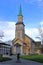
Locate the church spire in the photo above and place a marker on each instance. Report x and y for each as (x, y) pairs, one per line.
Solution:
(20, 11)
(20, 16)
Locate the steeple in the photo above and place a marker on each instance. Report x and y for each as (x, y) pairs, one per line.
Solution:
(20, 26)
(20, 17)
(20, 11)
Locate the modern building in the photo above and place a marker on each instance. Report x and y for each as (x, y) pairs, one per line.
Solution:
(5, 49)
(22, 43)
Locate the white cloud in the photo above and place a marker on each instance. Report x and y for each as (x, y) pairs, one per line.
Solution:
(41, 28)
(9, 30)
(33, 33)
(41, 23)
(11, 24)
(33, 0)
(39, 2)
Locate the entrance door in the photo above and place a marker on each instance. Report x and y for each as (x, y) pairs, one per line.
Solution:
(17, 48)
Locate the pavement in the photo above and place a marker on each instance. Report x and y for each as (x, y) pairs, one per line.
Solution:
(22, 62)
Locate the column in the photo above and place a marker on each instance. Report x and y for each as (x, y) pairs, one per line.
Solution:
(22, 50)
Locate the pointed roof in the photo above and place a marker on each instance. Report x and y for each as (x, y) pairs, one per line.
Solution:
(20, 11)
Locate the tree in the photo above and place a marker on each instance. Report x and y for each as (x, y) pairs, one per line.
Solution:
(41, 34)
(40, 37)
(1, 34)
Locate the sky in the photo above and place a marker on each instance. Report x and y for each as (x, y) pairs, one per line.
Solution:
(32, 11)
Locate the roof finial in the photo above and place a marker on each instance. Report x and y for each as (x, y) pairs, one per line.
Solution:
(20, 11)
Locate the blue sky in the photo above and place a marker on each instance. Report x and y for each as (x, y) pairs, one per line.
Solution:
(32, 11)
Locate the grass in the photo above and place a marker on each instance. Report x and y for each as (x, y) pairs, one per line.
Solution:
(2, 59)
(37, 58)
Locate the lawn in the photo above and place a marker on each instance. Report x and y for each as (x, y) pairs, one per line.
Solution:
(4, 59)
(37, 58)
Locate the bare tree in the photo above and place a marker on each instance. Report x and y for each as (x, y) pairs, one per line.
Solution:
(41, 34)
(1, 34)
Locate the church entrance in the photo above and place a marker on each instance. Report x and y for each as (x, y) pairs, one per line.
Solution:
(17, 48)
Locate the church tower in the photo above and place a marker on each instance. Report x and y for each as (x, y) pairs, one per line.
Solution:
(19, 32)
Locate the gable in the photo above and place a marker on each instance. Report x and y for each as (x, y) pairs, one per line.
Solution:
(17, 41)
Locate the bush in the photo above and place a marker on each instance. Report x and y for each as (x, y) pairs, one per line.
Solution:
(4, 59)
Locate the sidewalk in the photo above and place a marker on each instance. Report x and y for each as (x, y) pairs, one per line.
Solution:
(23, 62)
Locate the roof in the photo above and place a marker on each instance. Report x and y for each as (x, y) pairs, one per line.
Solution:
(2, 43)
(30, 38)
(17, 44)
(20, 23)
(20, 11)
(14, 40)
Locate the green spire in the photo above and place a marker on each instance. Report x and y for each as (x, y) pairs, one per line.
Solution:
(20, 11)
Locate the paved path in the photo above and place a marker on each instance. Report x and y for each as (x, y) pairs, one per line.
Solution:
(23, 62)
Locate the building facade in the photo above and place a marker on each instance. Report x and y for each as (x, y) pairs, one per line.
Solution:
(5, 49)
(22, 43)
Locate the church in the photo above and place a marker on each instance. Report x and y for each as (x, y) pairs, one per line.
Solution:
(22, 43)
